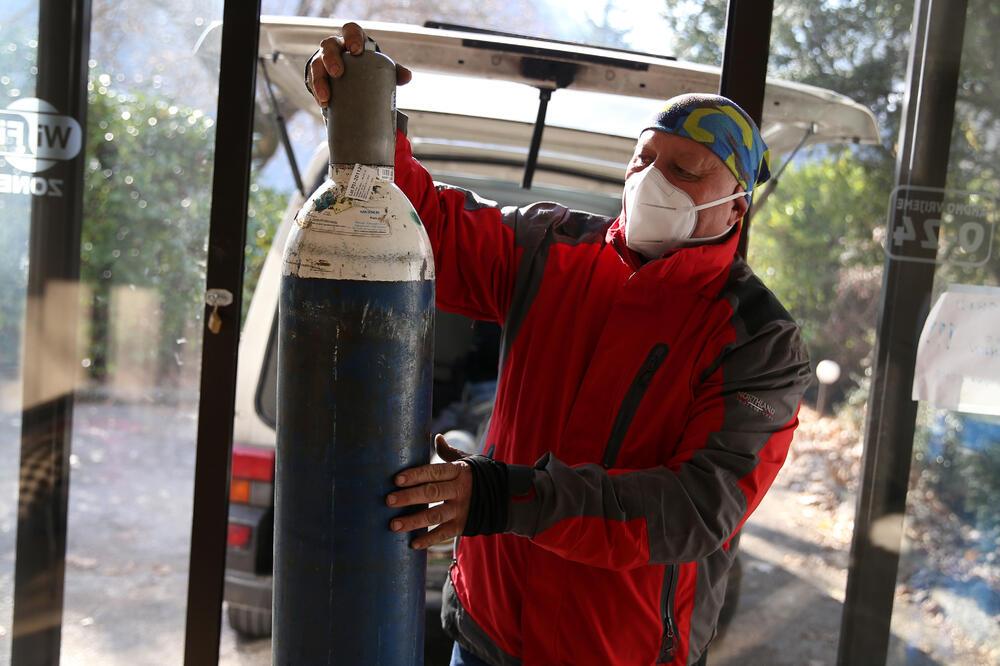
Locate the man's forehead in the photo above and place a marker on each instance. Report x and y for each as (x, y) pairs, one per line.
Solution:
(681, 146)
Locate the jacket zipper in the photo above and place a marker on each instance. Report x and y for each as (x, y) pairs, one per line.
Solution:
(668, 642)
(631, 401)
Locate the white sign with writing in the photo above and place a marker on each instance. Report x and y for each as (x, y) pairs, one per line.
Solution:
(942, 226)
(34, 136)
(958, 356)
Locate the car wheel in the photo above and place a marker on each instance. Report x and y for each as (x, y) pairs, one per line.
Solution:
(249, 622)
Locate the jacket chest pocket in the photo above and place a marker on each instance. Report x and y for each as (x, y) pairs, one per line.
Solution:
(630, 403)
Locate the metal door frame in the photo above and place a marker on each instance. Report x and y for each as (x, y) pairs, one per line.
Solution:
(744, 69)
(217, 399)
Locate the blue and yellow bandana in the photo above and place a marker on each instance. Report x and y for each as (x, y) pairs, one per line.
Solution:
(721, 125)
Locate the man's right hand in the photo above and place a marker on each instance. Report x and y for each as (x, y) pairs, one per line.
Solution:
(329, 62)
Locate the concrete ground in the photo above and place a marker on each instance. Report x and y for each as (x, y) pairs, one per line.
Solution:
(129, 528)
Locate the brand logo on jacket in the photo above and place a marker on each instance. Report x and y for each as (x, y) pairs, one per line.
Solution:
(35, 137)
(755, 404)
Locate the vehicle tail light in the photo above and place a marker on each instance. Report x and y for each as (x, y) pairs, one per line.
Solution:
(253, 464)
(238, 536)
(253, 476)
(239, 491)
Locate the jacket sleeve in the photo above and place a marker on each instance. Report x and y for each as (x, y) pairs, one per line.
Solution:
(475, 252)
(735, 441)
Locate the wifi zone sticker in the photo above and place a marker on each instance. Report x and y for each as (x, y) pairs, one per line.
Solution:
(34, 136)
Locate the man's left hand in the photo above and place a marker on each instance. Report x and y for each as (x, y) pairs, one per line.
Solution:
(449, 483)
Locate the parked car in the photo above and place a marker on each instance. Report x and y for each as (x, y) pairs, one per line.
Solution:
(472, 108)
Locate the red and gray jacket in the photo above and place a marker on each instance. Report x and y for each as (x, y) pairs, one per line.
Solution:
(643, 408)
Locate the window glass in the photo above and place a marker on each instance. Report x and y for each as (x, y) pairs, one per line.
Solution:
(949, 573)
(815, 240)
(147, 198)
(18, 57)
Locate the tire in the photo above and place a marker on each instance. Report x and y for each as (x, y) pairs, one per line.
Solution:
(249, 622)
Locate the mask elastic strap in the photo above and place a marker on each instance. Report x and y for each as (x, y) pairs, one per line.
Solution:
(695, 242)
(722, 200)
(702, 206)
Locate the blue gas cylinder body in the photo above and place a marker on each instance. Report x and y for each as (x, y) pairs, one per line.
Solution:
(356, 319)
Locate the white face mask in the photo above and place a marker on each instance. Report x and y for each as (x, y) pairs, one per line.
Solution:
(659, 216)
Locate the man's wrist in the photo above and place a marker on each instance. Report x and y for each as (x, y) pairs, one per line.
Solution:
(488, 504)
(497, 489)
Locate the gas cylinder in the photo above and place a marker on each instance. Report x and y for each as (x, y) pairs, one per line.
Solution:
(356, 318)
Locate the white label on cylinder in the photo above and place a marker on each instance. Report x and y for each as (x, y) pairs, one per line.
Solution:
(362, 182)
(351, 220)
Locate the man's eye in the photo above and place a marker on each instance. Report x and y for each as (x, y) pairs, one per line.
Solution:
(682, 172)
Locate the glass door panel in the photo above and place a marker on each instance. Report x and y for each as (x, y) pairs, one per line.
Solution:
(133, 363)
(18, 73)
(147, 198)
(815, 240)
(947, 603)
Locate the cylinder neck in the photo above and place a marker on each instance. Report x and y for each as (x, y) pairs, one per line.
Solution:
(361, 118)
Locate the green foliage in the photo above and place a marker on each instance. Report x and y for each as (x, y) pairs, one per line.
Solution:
(147, 204)
(982, 479)
(855, 47)
(699, 29)
(147, 201)
(264, 216)
(814, 246)
(975, 139)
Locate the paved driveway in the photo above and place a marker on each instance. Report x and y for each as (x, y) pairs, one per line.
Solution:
(129, 522)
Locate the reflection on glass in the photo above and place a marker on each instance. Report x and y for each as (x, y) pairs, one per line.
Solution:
(18, 35)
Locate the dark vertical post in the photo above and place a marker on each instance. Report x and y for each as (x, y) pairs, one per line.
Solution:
(227, 237)
(279, 120)
(50, 353)
(925, 140)
(544, 95)
(744, 66)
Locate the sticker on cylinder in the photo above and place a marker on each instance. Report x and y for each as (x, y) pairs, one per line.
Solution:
(346, 217)
(362, 182)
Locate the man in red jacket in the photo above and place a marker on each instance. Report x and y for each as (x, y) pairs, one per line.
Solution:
(647, 396)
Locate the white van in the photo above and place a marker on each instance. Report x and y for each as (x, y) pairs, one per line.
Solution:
(472, 107)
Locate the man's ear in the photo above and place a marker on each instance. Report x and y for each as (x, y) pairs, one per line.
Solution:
(739, 209)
